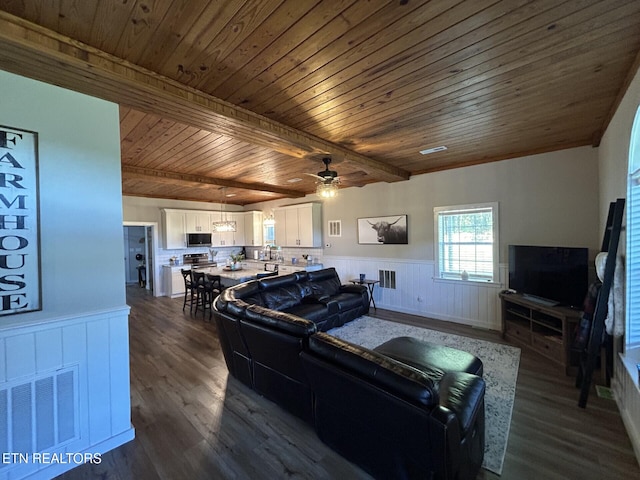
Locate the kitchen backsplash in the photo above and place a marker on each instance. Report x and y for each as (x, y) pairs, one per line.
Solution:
(291, 252)
(224, 252)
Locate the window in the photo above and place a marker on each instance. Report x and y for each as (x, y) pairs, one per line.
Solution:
(633, 238)
(466, 239)
(269, 234)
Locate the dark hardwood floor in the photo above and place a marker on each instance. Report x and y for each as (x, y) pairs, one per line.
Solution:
(193, 421)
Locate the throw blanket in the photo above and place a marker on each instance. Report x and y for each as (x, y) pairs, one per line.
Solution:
(615, 316)
(614, 322)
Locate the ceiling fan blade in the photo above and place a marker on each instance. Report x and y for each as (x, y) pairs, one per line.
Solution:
(317, 177)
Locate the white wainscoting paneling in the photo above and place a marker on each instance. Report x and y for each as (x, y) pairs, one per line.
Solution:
(417, 292)
(626, 389)
(96, 347)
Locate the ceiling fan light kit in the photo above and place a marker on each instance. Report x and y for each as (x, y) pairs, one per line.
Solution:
(325, 190)
(327, 181)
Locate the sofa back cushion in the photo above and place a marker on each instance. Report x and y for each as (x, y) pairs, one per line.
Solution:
(249, 292)
(236, 299)
(385, 372)
(324, 283)
(282, 292)
(281, 321)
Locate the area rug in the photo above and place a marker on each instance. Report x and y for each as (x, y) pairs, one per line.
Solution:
(500, 373)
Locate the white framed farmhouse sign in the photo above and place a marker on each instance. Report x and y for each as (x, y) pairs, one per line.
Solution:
(20, 289)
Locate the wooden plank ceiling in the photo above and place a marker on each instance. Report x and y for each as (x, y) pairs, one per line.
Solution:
(243, 98)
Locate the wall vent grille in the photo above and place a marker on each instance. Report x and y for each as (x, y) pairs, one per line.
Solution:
(387, 278)
(335, 228)
(40, 414)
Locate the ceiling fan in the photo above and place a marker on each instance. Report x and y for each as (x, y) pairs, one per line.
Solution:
(327, 181)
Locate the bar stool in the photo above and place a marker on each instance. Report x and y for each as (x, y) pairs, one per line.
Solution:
(216, 283)
(189, 289)
(207, 287)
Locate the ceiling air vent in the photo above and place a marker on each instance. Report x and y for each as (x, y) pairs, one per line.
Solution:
(433, 150)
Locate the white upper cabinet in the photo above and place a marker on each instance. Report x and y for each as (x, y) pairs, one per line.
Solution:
(198, 222)
(299, 225)
(253, 225)
(174, 231)
(229, 239)
(177, 223)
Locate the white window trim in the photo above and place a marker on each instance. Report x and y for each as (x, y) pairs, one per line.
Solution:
(632, 345)
(496, 241)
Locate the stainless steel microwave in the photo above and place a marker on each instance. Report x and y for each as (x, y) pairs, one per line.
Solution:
(198, 239)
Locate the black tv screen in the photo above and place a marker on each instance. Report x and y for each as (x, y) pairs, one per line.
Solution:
(559, 274)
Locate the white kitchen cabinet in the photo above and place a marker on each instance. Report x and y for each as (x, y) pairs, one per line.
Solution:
(253, 225)
(229, 239)
(239, 235)
(279, 214)
(177, 223)
(173, 280)
(198, 222)
(310, 225)
(299, 225)
(174, 231)
(291, 236)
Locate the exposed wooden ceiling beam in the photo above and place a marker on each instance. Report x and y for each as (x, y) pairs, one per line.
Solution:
(158, 176)
(36, 52)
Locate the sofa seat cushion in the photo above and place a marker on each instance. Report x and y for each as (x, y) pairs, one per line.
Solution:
(316, 312)
(429, 357)
(347, 301)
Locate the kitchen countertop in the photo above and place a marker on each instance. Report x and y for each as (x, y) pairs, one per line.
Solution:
(234, 276)
(249, 271)
(302, 264)
(190, 265)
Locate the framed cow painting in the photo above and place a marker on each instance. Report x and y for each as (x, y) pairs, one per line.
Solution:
(389, 230)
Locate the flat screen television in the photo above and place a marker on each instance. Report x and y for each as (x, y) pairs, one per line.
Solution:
(559, 275)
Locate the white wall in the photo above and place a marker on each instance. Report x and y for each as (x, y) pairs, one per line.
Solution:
(613, 160)
(83, 325)
(546, 199)
(537, 197)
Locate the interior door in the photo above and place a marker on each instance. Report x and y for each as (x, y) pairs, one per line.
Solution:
(150, 259)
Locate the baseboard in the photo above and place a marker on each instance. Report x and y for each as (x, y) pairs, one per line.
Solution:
(55, 469)
(437, 316)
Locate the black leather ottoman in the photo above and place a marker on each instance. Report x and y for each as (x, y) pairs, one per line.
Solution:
(428, 357)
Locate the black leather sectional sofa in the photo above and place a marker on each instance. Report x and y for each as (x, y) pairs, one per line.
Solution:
(403, 410)
(264, 325)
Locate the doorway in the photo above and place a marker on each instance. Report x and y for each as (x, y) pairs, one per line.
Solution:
(135, 254)
(140, 244)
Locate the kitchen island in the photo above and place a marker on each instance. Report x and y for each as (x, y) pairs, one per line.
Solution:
(174, 284)
(232, 277)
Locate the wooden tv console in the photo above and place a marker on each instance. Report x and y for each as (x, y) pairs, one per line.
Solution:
(547, 330)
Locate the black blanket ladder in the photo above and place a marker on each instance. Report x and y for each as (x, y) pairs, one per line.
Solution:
(590, 354)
